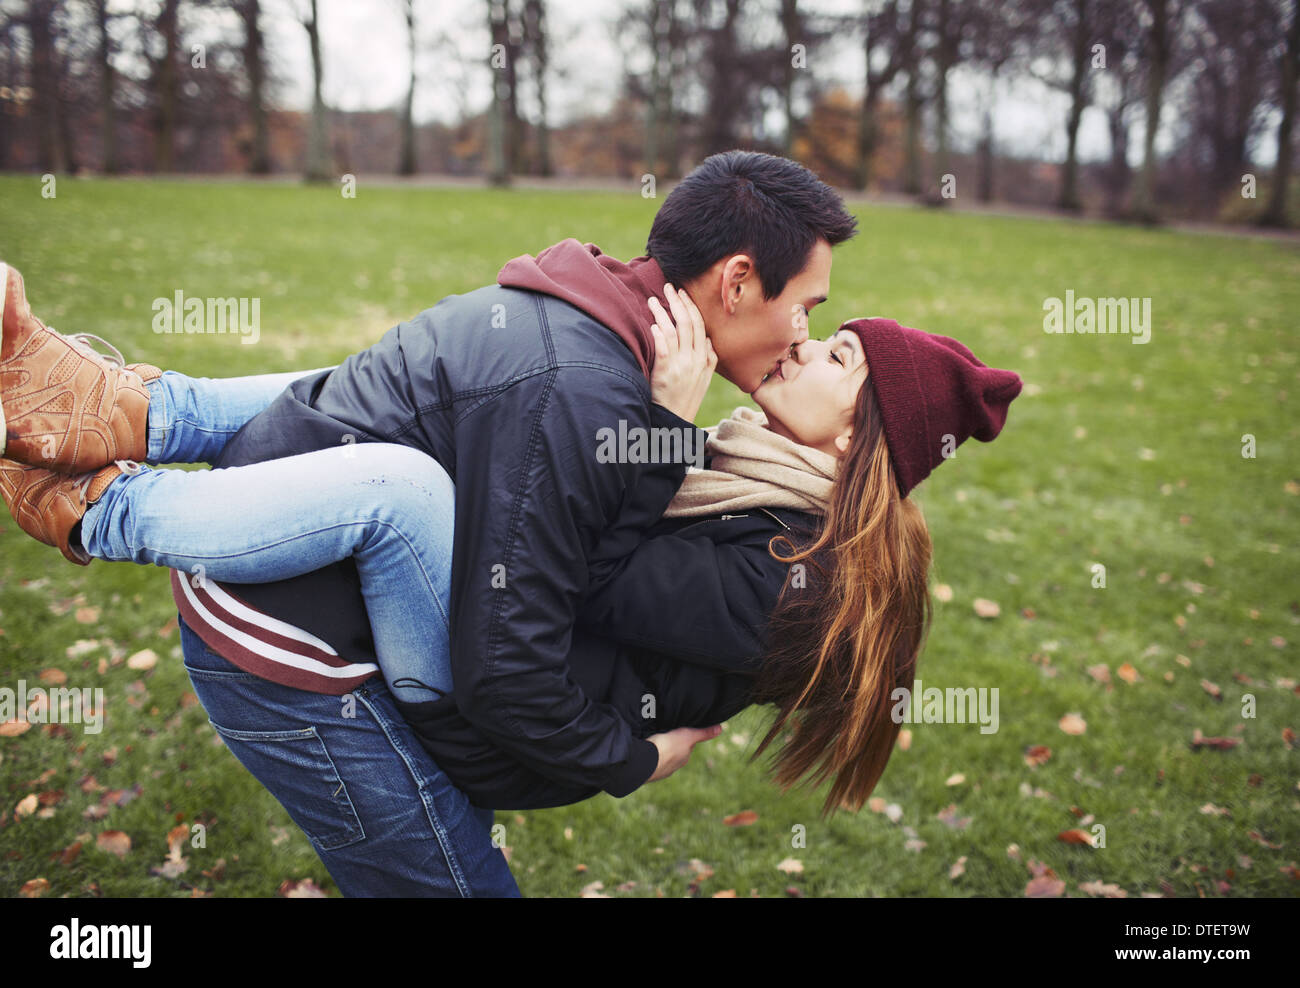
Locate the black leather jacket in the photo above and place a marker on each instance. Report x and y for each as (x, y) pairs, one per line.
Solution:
(508, 390)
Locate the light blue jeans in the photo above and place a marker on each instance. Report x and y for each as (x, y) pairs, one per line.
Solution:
(390, 507)
(384, 818)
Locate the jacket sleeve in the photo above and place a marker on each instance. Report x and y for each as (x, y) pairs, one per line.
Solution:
(533, 498)
(691, 598)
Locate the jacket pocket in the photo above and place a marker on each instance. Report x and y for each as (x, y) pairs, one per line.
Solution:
(297, 769)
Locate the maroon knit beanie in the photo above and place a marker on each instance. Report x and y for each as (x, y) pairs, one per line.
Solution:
(930, 387)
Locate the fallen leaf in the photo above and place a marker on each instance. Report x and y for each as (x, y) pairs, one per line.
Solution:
(949, 816)
(146, 658)
(26, 806)
(86, 615)
(1072, 724)
(1128, 673)
(958, 868)
(114, 842)
(1212, 689)
(742, 819)
(1046, 886)
(303, 889)
(1037, 754)
(942, 593)
(1104, 889)
(13, 728)
(1100, 672)
(593, 891)
(986, 608)
(725, 894)
(34, 889)
(791, 866)
(70, 853)
(1075, 837)
(56, 676)
(1219, 744)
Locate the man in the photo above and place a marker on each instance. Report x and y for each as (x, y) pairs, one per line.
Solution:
(508, 388)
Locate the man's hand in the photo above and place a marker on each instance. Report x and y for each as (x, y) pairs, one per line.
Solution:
(684, 357)
(675, 747)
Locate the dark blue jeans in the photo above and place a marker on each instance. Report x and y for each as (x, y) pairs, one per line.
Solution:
(385, 820)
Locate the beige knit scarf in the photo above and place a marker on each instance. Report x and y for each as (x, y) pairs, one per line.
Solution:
(753, 467)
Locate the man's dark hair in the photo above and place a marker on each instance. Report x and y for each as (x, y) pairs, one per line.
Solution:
(770, 208)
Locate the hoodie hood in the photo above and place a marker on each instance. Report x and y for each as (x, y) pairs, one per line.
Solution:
(610, 291)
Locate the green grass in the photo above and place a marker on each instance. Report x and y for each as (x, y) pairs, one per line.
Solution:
(1121, 454)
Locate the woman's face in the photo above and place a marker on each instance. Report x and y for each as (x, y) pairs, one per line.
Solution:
(811, 395)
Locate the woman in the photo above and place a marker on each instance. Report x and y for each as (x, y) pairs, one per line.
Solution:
(848, 432)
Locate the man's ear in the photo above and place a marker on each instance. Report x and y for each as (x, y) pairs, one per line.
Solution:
(736, 274)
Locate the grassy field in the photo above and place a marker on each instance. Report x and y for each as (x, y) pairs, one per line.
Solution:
(1124, 455)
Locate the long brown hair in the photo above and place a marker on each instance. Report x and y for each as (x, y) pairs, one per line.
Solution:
(838, 645)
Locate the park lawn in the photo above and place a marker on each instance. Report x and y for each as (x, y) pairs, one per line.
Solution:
(1125, 455)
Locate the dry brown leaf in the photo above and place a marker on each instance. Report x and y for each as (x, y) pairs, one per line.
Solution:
(1105, 889)
(1212, 689)
(1100, 672)
(144, 659)
(742, 819)
(1075, 837)
(1037, 754)
(1046, 886)
(791, 866)
(54, 676)
(958, 868)
(1128, 673)
(26, 806)
(13, 728)
(1219, 744)
(114, 842)
(1072, 723)
(942, 592)
(34, 889)
(986, 608)
(86, 615)
(725, 894)
(303, 889)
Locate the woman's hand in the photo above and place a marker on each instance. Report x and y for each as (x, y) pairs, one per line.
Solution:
(684, 357)
(675, 747)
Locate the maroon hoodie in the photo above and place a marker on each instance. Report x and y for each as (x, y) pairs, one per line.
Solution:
(611, 292)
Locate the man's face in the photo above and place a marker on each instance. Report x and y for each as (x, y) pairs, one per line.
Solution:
(751, 334)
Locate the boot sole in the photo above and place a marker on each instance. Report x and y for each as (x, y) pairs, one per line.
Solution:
(4, 294)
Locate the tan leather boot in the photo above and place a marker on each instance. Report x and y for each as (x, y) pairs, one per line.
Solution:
(49, 505)
(63, 406)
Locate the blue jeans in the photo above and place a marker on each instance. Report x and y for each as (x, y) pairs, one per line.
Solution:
(389, 507)
(393, 824)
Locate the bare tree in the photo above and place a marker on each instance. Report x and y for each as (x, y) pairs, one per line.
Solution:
(880, 34)
(1275, 214)
(250, 12)
(406, 160)
(913, 59)
(1163, 18)
(537, 46)
(499, 154)
(318, 153)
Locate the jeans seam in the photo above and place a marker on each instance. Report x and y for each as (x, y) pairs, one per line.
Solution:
(454, 867)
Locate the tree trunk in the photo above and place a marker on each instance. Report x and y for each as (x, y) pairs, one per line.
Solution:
(107, 85)
(1144, 208)
(793, 27)
(1276, 212)
(986, 155)
(166, 88)
(49, 143)
(914, 103)
(1068, 198)
(259, 162)
(535, 33)
(498, 153)
(406, 160)
(318, 152)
